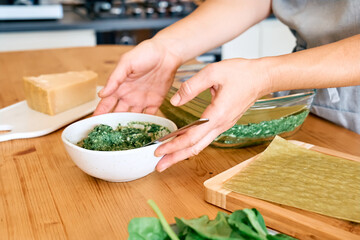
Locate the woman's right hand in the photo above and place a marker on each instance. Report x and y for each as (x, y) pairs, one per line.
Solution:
(141, 79)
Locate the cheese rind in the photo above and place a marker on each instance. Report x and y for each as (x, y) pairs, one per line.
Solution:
(55, 93)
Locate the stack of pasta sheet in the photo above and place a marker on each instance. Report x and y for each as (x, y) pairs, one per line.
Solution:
(294, 176)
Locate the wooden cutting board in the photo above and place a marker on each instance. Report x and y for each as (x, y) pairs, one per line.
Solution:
(295, 222)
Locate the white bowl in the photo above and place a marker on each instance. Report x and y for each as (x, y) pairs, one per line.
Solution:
(113, 166)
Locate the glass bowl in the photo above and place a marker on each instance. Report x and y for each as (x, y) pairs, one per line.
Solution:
(268, 117)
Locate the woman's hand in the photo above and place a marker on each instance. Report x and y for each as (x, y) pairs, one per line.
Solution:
(235, 85)
(141, 79)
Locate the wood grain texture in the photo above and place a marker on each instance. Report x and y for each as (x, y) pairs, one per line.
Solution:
(293, 221)
(45, 196)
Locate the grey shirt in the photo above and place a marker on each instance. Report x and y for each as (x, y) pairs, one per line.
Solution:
(318, 22)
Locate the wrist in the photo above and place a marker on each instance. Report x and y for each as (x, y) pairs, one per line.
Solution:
(173, 46)
(268, 71)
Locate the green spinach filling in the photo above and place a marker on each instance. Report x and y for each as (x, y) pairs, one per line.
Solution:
(131, 136)
(263, 129)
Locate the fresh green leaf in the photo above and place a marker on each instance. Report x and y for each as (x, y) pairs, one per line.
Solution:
(193, 236)
(280, 237)
(163, 221)
(260, 219)
(183, 229)
(146, 228)
(246, 224)
(254, 222)
(240, 222)
(186, 231)
(247, 232)
(208, 229)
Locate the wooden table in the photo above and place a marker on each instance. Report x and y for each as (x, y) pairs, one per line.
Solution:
(45, 196)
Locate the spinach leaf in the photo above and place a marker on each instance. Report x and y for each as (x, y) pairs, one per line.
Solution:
(163, 221)
(146, 228)
(259, 226)
(218, 228)
(246, 224)
(240, 220)
(193, 236)
(280, 237)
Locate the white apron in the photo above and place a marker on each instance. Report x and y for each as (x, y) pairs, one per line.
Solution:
(318, 22)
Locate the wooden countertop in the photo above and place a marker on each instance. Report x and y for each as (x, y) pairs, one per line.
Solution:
(44, 195)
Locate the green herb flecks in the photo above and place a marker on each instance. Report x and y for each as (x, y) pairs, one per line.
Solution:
(134, 135)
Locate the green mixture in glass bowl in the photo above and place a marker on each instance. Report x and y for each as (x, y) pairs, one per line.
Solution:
(264, 120)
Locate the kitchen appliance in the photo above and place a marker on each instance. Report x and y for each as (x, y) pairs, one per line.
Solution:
(152, 13)
(103, 9)
(12, 10)
(149, 12)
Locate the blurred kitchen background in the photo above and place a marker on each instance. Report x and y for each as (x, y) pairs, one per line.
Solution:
(43, 24)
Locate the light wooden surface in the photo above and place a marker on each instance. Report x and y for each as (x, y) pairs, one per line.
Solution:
(45, 196)
(295, 222)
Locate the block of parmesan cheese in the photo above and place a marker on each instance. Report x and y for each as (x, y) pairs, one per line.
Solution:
(55, 93)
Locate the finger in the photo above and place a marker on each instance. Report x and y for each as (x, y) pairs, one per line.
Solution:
(218, 117)
(223, 113)
(151, 110)
(188, 139)
(192, 87)
(171, 159)
(116, 78)
(122, 106)
(105, 105)
(136, 109)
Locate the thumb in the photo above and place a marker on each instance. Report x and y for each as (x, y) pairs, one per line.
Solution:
(190, 89)
(116, 78)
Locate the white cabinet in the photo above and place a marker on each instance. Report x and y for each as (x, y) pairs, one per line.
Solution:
(19, 41)
(268, 38)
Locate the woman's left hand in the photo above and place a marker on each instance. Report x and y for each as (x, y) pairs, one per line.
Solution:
(235, 85)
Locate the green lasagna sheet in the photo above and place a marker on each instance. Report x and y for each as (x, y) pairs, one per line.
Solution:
(294, 176)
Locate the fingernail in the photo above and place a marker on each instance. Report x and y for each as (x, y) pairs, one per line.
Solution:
(158, 153)
(101, 92)
(175, 99)
(163, 167)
